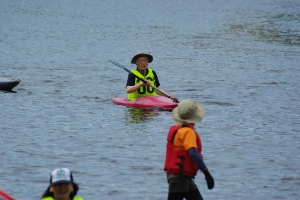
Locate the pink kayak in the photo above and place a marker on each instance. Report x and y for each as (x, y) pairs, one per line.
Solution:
(147, 102)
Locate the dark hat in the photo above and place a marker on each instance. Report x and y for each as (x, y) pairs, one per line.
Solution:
(61, 175)
(141, 54)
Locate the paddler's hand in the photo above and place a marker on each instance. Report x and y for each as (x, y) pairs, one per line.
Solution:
(147, 84)
(173, 98)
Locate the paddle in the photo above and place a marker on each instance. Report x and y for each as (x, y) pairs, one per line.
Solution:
(5, 196)
(143, 80)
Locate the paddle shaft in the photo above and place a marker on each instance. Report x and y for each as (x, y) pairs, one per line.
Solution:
(143, 80)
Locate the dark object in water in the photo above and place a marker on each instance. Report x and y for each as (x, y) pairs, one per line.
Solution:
(8, 85)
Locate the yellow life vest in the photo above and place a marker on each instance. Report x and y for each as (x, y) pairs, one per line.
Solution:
(143, 91)
(51, 198)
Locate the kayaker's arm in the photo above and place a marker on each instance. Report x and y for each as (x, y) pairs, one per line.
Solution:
(130, 89)
(171, 96)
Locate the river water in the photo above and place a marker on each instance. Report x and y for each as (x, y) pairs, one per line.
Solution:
(239, 58)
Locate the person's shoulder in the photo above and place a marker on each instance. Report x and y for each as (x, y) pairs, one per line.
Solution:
(154, 72)
(48, 198)
(77, 198)
(131, 75)
(51, 198)
(186, 130)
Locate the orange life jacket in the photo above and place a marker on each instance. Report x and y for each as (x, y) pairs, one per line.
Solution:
(179, 161)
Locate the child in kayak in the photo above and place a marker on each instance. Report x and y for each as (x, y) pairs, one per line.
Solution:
(135, 87)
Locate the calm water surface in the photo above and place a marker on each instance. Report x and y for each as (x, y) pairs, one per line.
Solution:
(239, 58)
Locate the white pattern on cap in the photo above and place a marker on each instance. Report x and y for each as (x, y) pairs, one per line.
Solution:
(61, 175)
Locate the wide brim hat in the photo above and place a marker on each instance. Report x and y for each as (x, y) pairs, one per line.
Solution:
(188, 111)
(141, 54)
(61, 175)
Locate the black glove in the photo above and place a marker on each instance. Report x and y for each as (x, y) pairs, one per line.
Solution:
(209, 180)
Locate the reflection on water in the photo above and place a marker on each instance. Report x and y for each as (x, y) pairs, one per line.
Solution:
(280, 28)
(11, 91)
(138, 115)
(217, 103)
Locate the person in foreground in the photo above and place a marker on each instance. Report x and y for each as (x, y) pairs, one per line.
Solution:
(183, 154)
(135, 87)
(62, 186)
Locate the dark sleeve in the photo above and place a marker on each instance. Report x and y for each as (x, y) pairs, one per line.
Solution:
(130, 80)
(157, 84)
(197, 159)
